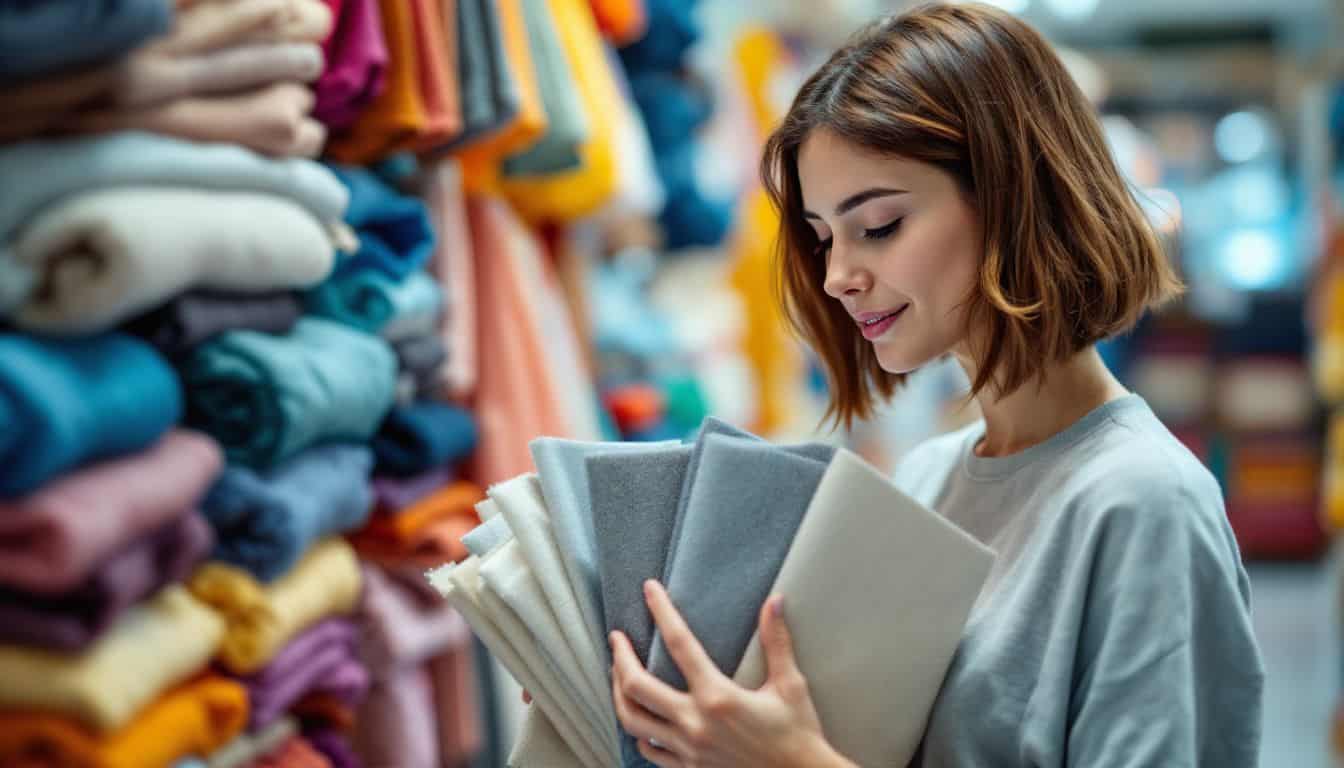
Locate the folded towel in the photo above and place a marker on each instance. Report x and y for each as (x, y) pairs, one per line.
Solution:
(264, 522)
(334, 748)
(42, 38)
(271, 119)
(391, 494)
(417, 438)
(268, 397)
(765, 491)
(210, 26)
(567, 125)
(153, 77)
(406, 528)
(453, 266)
(371, 301)
(248, 747)
(395, 236)
(37, 173)
(508, 586)
(422, 356)
(520, 502)
(857, 525)
(104, 256)
(321, 658)
(396, 724)
(194, 318)
(55, 539)
(73, 620)
(260, 620)
(296, 752)
(356, 58)
(461, 587)
(400, 630)
(65, 403)
(195, 718)
(157, 645)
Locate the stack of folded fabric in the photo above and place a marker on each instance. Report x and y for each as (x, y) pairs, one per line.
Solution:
(562, 556)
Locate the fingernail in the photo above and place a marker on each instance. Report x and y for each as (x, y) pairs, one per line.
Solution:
(778, 608)
(649, 586)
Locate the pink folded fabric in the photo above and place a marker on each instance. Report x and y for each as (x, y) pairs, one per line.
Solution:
(153, 77)
(461, 735)
(356, 63)
(54, 538)
(401, 630)
(212, 25)
(396, 725)
(451, 264)
(272, 120)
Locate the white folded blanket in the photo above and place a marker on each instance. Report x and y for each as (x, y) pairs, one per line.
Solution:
(104, 256)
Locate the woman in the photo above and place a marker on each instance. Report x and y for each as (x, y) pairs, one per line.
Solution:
(946, 190)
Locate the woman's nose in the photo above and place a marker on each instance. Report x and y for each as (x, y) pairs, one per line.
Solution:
(843, 277)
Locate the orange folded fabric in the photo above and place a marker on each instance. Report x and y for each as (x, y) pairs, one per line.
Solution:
(437, 69)
(398, 116)
(621, 21)
(481, 158)
(438, 543)
(294, 753)
(405, 527)
(195, 718)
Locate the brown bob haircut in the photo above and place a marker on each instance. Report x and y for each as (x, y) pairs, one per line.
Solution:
(1069, 257)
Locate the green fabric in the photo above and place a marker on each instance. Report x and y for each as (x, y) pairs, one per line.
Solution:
(265, 398)
(566, 123)
(371, 301)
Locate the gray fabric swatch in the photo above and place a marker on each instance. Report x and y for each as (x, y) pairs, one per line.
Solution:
(744, 508)
(488, 536)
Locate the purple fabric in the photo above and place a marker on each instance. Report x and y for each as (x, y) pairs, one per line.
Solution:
(335, 746)
(391, 494)
(322, 658)
(356, 65)
(72, 621)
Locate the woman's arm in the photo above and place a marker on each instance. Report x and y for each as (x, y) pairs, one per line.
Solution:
(717, 722)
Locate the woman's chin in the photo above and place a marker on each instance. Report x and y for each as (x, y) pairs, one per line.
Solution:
(897, 360)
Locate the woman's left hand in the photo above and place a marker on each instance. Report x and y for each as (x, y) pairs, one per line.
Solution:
(717, 722)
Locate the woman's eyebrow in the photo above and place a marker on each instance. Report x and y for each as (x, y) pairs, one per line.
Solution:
(859, 198)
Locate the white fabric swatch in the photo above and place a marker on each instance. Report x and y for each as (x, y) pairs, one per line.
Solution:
(540, 745)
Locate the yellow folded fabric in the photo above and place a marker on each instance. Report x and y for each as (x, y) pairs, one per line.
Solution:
(581, 192)
(259, 619)
(155, 646)
(196, 718)
(481, 159)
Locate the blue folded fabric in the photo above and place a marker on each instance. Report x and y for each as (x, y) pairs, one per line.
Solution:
(264, 522)
(395, 234)
(672, 106)
(417, 438)
(64, 403)
(689, 218)
(265, 398)
(371, 301)
(672, 30)
(746, 502)
(39, 38)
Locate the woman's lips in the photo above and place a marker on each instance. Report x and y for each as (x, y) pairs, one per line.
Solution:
(873, 330)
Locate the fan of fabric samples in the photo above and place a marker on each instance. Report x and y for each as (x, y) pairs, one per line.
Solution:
(560, 560)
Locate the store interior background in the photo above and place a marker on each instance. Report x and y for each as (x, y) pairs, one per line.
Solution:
(1228, 115)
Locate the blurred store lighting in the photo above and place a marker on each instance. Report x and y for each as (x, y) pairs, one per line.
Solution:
(1072, 10)
(1011, 6)
(1163, 208)
(1242, 136)
(1252, 259)
(1256, 194)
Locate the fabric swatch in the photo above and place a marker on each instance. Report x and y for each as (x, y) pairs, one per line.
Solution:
(157, 645)
(108, 255)
(415, 439)
(248, 747)
(265, 398)
(194, 318)
(260, 620)
(65, 403)
(920, 576)
(540, 745)
(42, 38)
(264, 522)
(357, 60)
(395, 235)
(320, 658)
(745, 505)
(195, 718)
(72, 621)
(489, 535)
(54, 540)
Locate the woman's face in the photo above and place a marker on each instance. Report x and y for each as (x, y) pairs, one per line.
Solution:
(902, 247)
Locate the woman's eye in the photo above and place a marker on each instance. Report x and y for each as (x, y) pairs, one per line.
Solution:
(882, 231)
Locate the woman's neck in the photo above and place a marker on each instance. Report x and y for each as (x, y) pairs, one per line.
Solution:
(1039, 410)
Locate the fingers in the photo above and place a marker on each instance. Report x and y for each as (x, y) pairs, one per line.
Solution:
(640, 723)
(777, 642)
(527, 696)
(638, 684)
(685, 649)
(659, 757)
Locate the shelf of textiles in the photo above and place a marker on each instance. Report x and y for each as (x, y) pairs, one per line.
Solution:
(1240, 398)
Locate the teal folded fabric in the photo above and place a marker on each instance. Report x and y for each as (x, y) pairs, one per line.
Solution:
(265, 521)
(417, 438)
(745, 505)
(265, 398)
(64, 403)
(39, 38)
(373, 302)
(566, 122)
(34, 174)
(395, 234)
